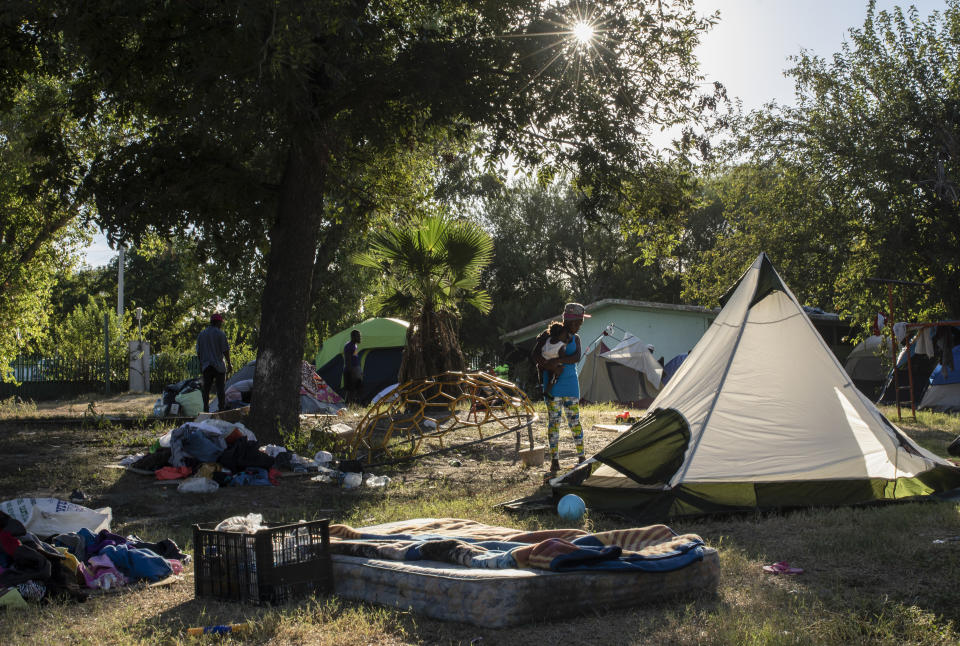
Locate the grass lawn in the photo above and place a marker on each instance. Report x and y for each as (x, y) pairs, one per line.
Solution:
(873, 575)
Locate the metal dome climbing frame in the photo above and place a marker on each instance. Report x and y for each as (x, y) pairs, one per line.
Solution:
(408, 422)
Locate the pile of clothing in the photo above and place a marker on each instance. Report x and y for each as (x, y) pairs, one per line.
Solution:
(224, 453)
(72, 564)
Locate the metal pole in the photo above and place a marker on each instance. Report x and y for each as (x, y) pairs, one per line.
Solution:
(893, 350)
(120, 285)
(106, 352)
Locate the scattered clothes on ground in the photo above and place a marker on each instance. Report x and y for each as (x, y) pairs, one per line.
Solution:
(273, 450)
(130, 459)
(256, 477)
(153, 461)
(219, 453)
(243, 453)
(138, 563)
(70, 565)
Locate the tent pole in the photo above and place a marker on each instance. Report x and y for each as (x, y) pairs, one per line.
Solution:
(893, 351)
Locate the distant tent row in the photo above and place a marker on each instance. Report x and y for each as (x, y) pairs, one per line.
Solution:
(934, 388)
(381, 351)
(760, 415)
(864, 364)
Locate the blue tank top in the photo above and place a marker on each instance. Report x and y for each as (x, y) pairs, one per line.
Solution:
(567, 384)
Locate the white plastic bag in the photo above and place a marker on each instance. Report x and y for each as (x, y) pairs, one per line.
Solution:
(352, 480)
(247, 524)
(326, 475)
(198, 485)
(323, 457)
(48, 516)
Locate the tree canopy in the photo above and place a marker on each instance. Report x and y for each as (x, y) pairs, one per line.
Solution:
(246, 120)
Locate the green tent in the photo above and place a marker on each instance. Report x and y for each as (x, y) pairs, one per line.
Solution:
(761, 415)
(376, 333)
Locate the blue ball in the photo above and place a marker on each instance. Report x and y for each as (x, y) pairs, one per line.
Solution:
(571, 507)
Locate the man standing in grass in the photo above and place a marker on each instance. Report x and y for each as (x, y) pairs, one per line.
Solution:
(212, 349)
(352, 372)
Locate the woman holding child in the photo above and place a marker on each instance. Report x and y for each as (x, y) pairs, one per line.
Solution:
(557, 353)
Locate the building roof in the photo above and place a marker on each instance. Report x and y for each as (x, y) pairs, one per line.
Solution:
(612, 302)
(521, 333)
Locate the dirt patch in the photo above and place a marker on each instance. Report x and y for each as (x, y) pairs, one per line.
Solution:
(130, 404)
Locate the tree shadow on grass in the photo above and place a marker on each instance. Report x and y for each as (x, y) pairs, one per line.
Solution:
(855, 559)
(372, 623)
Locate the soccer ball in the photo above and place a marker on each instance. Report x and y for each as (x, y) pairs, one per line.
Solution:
(571, 507)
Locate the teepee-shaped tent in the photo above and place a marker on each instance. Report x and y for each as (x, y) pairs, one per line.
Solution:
(760, 415)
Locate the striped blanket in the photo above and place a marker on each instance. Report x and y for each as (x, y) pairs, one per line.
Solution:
(656, 548)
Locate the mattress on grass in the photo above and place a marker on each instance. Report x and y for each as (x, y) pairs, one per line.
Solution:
(498, 598)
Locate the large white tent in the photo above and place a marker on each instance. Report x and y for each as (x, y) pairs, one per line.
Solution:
(761, 414)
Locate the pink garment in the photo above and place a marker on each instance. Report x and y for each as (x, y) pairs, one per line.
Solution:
(176, 565)
(102, 573)
(173, 473)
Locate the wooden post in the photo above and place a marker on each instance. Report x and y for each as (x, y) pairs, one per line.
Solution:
(913, 402)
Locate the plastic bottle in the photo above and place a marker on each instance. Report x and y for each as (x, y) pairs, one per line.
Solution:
(376, 481)
(352, 480)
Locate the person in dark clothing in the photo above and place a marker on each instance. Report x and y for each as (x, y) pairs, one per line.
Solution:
(212, 350)
(352, 374)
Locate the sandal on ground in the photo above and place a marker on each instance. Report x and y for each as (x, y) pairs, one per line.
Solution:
(782, 567)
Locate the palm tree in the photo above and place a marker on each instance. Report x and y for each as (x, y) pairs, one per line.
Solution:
(432, 269)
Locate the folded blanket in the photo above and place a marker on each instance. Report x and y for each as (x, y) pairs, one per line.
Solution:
(656, 548)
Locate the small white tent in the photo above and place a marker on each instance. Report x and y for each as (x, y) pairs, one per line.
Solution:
(634, 353)
(626, 373)
(864, 364)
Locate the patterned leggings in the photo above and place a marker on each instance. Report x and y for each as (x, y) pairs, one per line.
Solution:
(572, 406)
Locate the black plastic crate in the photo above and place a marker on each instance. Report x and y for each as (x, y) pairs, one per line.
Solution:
(273, 565)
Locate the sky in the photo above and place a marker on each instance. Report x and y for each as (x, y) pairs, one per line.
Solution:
(747, 51)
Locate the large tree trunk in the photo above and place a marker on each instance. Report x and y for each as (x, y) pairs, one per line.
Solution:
(285, 306)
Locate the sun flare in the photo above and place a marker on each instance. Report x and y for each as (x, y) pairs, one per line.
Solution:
(583, 32)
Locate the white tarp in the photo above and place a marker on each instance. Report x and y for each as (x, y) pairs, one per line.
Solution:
(49, 516)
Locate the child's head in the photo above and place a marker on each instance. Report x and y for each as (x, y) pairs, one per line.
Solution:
(556, 330)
